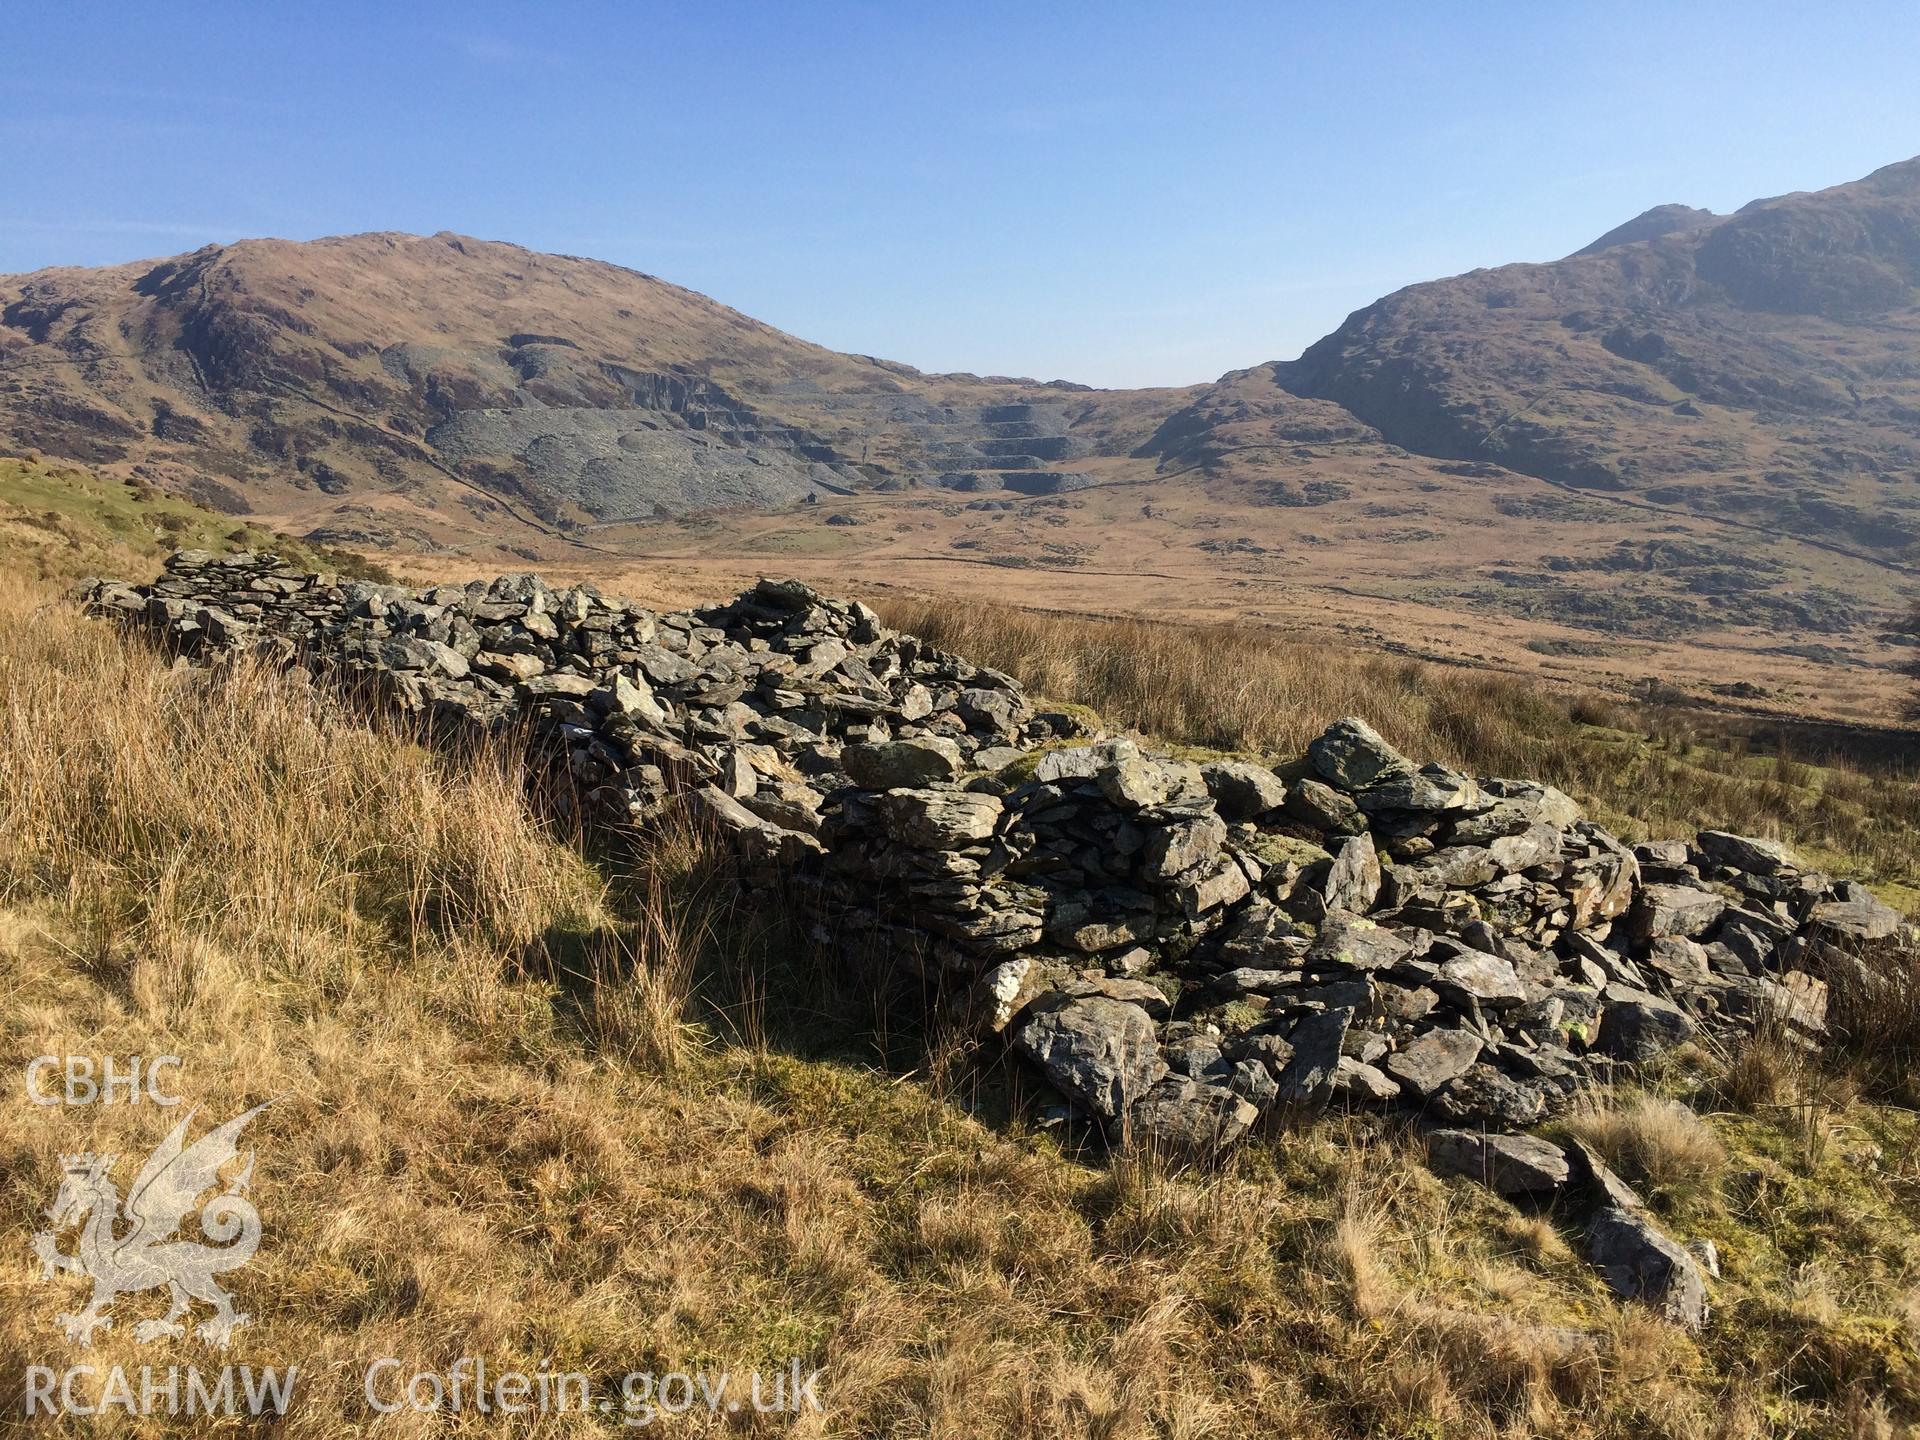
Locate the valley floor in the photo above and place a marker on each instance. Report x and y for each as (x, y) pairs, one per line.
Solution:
(1455, 579)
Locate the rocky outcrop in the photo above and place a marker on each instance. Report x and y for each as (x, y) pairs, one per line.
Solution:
(1660, 221)
(1178, 949)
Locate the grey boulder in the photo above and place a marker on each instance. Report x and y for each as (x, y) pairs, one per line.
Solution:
(1739, 852)
(1433, 1059)
(1431, 787)
(1324, 808)
(1354, 881)
(1189, 1119)
(1180, 848)
(1858, 918)
(1240, 790)
(1486, 978)
(1101, 1052)
(1637, 1026)
(1507, 1164)
(1661, 910)
(1352, 755)
(1639, 1262)
(1308, 1076)
(938, 819)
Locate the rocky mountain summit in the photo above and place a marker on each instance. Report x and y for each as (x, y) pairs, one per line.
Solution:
(1652, 224)
(1756, 367)
(1180, 948)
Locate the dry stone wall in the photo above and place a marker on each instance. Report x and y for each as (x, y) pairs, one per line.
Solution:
(1179, 948)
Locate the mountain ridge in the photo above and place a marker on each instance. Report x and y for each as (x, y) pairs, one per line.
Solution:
(1770, 346)
(1674, 310)
(240, 362)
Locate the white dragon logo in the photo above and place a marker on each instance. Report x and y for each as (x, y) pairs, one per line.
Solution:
(146, 1256)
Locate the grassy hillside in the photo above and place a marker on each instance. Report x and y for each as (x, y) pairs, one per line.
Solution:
(61, 521)
(414, 388)
(538, 1107)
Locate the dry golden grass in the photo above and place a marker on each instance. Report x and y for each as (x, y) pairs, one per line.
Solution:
(1875, 1013)
(1652, 1141)
(1242, 688)
(248, 811)
(1233, 688)
(1767, 1068)
(607, 1117)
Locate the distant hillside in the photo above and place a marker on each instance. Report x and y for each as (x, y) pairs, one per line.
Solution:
(391, 389)
(1764, 368)
(1758, 368)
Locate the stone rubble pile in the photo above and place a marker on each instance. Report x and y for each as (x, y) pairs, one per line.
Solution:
(746, 708)
(1178, 947)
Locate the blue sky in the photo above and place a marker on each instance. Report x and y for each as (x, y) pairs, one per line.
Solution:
(1113, 193)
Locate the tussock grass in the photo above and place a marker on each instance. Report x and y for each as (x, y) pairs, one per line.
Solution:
(1239, 688)
(1767, 1068)
(1651, 1141)
(1246, 688)
(1874, 1010)
(241, 807)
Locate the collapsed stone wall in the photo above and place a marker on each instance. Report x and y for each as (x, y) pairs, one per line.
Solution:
(1178, 947)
